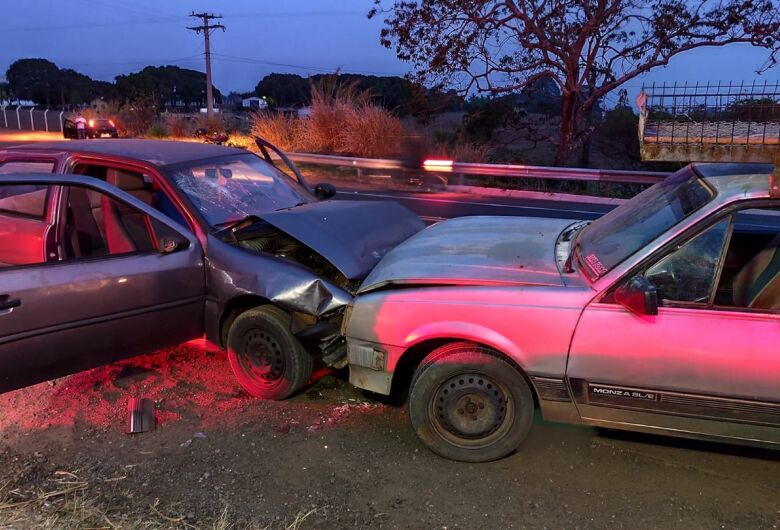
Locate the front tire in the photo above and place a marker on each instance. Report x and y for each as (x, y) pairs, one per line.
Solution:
(265, 357)
(467, 403)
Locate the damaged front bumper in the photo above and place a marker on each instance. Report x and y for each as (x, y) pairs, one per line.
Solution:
(368, 366)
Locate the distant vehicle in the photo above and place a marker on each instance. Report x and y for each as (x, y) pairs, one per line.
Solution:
(96, 128)
(662, 316)
(113, 249)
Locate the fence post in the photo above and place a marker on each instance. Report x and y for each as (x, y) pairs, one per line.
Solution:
(32, 120)
(5, 119)
(46, 119)
(18, 119)
(62, 125)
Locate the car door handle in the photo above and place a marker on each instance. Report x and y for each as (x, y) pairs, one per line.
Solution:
(6, 302)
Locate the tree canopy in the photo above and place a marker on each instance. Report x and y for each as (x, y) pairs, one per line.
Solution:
(166, 84)
(588, 48)
(392, 92)
(44, 83)
(37, 80)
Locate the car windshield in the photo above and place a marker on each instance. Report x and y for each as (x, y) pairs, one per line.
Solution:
(620, 233)
(230, 188)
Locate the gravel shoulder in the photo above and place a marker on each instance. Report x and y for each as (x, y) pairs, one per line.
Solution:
(333, 457)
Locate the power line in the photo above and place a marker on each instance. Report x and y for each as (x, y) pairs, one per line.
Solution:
(322, 69)
(206, 28)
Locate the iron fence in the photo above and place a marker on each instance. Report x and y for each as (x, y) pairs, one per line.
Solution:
(31, 119)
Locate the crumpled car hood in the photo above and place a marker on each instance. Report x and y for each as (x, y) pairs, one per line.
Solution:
(352, 235)
(475, 251)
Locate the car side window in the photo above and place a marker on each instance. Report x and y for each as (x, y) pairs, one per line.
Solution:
(687, 274)
(26, 166)
(23, 199)
(139, 185)
(23, 225)
(750, 279)
(98, 225)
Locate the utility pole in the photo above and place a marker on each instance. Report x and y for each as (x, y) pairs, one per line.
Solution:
(207, 28)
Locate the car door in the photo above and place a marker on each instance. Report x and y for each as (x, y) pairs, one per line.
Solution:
(703, 364)
(89, 275)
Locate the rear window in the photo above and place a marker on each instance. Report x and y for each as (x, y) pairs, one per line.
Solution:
(26, 200)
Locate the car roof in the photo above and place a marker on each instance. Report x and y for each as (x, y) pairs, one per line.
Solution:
(158, 152)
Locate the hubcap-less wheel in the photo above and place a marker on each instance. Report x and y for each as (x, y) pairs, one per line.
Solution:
(262, 356)
(469, 403)
(471, 407)
(267, 359)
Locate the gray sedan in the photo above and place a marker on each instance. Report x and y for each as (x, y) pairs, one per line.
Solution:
(112, 249)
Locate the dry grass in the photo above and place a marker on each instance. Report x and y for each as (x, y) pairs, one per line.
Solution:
(64, 500)
(461, 151)
(177, 126)
(371, 132)
(343, 121)
(214, 124)
(277, 128)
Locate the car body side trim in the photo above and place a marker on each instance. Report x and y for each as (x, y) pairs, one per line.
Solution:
(715, 408)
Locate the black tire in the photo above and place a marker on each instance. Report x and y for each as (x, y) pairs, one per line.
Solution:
(467, 403)
(266, 358)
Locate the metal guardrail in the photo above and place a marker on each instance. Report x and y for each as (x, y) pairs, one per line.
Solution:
(492, 170)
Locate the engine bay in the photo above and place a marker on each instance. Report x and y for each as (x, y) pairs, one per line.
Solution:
(259, 237)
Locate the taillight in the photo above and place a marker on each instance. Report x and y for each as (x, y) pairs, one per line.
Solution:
(91, 123)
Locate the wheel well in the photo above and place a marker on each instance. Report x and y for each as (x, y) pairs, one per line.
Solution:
(235, 307)
(411, 359)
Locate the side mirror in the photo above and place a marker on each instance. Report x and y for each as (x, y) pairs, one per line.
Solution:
(168, 239)
(324, 190)
(638, 296)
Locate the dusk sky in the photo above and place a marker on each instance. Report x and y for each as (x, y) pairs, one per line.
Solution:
(104, 38)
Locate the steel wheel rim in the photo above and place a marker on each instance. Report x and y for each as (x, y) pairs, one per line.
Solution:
(471, 410)
(262, 358)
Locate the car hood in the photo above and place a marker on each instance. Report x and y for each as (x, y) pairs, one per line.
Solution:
(475, 251)
(352, 235)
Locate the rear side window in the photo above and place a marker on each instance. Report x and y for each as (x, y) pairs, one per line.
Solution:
(25, 200)
(98, 225)
(26, 167)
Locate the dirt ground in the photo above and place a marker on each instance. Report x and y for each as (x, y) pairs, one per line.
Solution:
(333, 457)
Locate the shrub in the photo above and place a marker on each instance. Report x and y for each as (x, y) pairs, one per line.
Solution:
(214, 124)
(280, 130)
(177, 126)
(370, 131)
(344, 121)
(157, 131)
(136, 118)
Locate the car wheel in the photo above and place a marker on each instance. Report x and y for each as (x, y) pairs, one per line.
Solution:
(266, 358)
(467, 403)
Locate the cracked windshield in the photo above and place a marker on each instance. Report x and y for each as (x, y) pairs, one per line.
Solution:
(227, 189)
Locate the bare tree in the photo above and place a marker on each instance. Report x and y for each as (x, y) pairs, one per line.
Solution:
(588, 47)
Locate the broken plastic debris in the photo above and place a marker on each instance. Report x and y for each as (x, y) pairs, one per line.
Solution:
(140, 415)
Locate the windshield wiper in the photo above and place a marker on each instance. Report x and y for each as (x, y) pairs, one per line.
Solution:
(291, 207)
